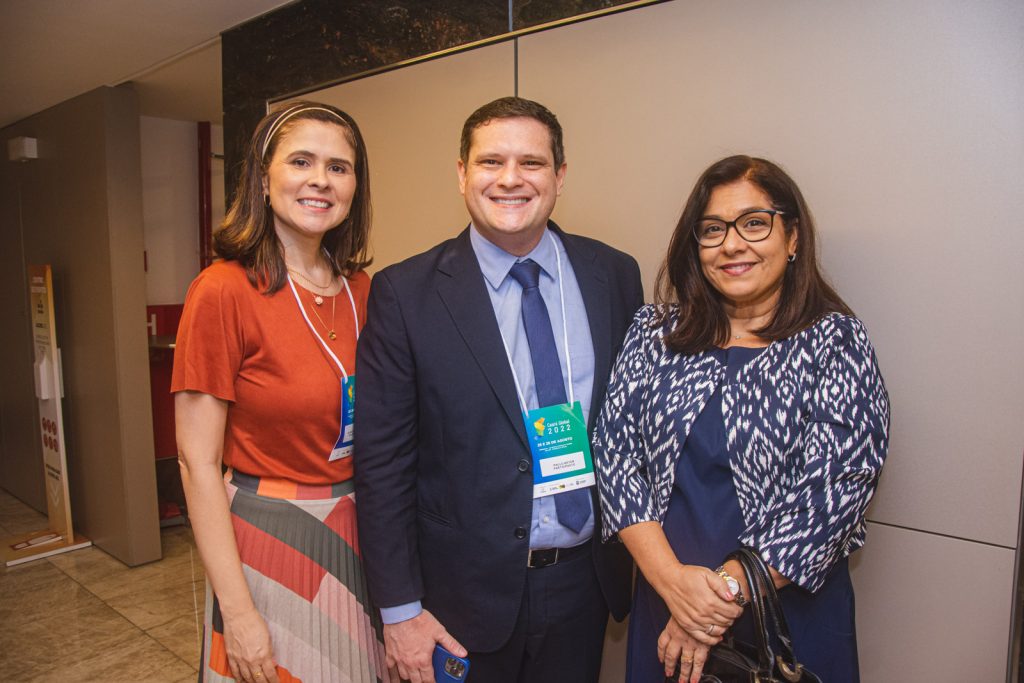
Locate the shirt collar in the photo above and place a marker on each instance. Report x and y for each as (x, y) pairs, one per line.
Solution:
(495, 262)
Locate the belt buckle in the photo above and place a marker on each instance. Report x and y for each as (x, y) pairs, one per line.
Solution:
(544, 557)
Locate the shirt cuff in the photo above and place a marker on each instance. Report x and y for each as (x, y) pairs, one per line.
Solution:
(393, 615)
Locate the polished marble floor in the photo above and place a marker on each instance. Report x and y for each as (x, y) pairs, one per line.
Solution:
(84, 616)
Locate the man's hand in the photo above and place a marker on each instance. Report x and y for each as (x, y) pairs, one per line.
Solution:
(410, 646)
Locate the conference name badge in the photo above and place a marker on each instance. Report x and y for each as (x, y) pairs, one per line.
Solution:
(343, 447)
(561, 449)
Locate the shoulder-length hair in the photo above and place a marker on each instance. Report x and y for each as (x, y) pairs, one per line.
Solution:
(702, 322)
(247, 234)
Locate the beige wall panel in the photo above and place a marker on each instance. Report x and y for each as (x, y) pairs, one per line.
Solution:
(131, 344)
(902, 124)
(411, 120)
(80, 212)
(931, 608)
(21, 458)
(170, 202)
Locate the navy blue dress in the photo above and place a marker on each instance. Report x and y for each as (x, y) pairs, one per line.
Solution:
(703, 524)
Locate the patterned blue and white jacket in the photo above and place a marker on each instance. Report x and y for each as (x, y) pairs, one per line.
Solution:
(806, 427)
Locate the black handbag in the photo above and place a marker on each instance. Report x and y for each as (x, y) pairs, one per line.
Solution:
(771, 659)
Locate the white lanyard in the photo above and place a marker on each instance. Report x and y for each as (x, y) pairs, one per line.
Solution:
(355, 317)
(565, 338)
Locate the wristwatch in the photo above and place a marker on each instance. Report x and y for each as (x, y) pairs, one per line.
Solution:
(734, 586)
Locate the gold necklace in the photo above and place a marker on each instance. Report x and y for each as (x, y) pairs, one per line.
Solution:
(318, 298)
(330, 330)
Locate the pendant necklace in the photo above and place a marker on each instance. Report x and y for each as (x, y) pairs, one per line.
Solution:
(318, 298)
(331, 334)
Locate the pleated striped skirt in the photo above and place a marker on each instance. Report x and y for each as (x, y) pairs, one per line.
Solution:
(300, 556)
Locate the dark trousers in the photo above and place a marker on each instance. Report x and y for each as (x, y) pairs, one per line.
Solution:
(559, 634)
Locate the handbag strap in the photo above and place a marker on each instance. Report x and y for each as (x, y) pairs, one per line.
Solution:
(770, 621)
(758, 604)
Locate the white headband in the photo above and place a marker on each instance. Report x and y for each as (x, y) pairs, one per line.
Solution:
(290, 113)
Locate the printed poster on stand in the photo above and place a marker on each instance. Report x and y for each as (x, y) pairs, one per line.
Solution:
(59, 536)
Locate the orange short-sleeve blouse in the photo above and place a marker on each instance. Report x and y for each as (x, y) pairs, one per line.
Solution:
(258, 353)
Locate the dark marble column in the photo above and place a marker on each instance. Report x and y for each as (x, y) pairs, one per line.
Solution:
(313, 42)
(527, 13)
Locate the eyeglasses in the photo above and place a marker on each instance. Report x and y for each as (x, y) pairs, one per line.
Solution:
(752, 226)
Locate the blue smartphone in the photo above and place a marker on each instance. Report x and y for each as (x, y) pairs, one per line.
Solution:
(448, 667)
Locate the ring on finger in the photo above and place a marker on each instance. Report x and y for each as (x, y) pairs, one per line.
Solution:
(686, 660)
(257, 673)
(710, 630)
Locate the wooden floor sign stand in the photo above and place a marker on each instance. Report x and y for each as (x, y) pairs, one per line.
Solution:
(59, 537)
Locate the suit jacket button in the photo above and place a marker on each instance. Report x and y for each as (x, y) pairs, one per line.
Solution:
(520, 532)
(524, 465)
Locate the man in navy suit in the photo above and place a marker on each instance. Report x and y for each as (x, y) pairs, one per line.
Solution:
(472, 354)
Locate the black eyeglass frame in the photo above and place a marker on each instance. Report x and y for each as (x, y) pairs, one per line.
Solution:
(732, 224)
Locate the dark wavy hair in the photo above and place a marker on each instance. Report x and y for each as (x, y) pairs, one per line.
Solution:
(805, 297)
(247, 234)
(512, 108)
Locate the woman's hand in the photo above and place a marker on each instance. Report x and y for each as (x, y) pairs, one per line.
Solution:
(699, 601)
(676, 646)
(247, 643)
(734, 569)
(697, 597)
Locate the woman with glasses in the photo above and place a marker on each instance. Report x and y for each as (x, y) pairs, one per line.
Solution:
(746, 409)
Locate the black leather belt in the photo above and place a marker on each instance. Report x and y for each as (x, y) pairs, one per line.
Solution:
(545, 557)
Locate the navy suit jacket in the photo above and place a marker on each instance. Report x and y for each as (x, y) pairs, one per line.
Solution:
(443, 474)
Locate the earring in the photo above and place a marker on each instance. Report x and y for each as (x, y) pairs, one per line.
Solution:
(266, 199)
(792, 257)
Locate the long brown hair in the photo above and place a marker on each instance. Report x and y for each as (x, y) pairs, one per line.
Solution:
(805, 297)
(247, 234)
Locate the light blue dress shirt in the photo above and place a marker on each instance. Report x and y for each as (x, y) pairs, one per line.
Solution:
(506, 297)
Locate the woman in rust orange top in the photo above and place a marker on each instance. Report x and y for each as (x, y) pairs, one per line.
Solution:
(264, 382)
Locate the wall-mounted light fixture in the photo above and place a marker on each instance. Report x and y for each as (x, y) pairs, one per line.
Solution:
(22, 149)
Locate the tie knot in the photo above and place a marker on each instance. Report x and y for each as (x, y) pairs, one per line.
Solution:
(526, 273)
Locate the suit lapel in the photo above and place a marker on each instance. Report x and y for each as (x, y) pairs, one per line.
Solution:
(463, 290)
(594, 288)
